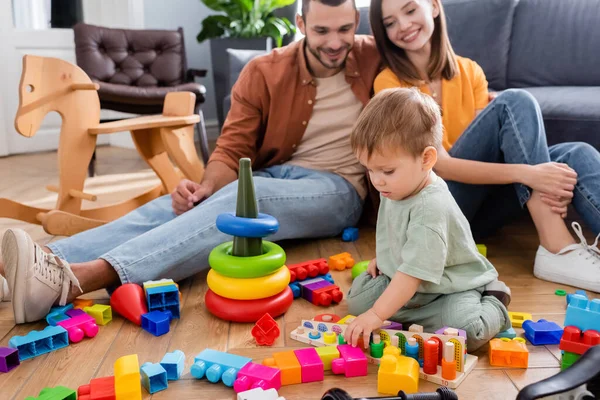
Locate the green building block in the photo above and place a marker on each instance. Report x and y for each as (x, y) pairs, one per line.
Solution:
(568, 359)
(55, 393)
(482, 249)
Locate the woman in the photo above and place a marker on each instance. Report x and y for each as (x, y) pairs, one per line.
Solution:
(495, 158)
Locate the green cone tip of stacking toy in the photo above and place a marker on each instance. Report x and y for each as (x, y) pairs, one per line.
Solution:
(247, 208)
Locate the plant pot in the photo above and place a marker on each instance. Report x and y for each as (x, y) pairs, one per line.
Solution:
(220, 64)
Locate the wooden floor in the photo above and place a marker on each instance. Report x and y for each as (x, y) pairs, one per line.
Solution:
(23, 177)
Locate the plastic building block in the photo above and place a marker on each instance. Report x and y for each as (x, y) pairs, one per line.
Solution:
(98, 389)
(37, 343)
(517, 318)
(359, 268)
(218, 366)
(306, 269)
(127, 378)
(451, 332)
(9, 359)
(341, 261)
(509, 334)
(574, 341)
(55, 393)
(265, 331)
(397, 373)
(164, 298)
(82, 303)
(154, 377)
(259, 394)
(415, 328)
(570, 295)
(311, 365)
(376, 347)
(156, 322)
(560, 292)
(327, 355)
(583, 313)
(75, 312)
(352, 362)
(128, 300)
(100, 312)
(254, 375)
(448, 364)
(482, 249)
(157, 283)
(568, 359)
(297, 289)
(542, 332)
(320, 292)
(173, 363)
(350, 234)
(79, 327)
(288, 364)
(508, 353)
(58, 314)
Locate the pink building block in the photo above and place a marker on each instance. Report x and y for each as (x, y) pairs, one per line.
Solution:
(79, 326)
(256, 375)
(311, 364)
(352, 362)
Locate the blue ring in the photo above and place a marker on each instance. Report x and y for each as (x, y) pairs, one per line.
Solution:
(260, 227)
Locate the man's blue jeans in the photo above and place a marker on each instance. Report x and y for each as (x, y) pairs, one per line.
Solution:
(151, 242)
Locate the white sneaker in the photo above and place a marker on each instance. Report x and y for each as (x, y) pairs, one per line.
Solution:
(4, 292)
(35, 278)
(576, 265)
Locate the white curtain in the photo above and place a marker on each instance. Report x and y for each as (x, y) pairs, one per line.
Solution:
(31, 14)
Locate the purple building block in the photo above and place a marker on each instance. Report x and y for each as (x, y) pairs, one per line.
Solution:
(75, 312)
(395, 326)
(461, 332)
(9, 359)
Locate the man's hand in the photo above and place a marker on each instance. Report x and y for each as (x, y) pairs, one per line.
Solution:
(364, 324)
(492, 96)
(187, 194)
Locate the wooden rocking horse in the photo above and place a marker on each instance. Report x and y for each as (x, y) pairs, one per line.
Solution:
(50, 84)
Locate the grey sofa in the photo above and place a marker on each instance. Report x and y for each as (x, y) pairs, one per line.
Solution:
(550, 48)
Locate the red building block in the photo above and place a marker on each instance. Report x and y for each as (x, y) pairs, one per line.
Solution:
(308, 269)
(98, 389)
(266, 330)
(325, 296)
(574, 341)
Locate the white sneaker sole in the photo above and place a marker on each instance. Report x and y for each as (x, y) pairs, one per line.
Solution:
(11, 243)
(565, 280)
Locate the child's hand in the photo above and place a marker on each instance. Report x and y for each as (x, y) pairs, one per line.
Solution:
(364, 324)
(372, 268)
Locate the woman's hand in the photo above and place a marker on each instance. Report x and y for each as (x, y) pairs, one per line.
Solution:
(557, 204)
(553, 179)
(372, 268)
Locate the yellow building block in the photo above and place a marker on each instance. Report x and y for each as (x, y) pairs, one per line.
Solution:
(482, 248)
(128, 385)
(288, 364)
(517, 318)
(100, 312)
(327, 355)
(397, 373)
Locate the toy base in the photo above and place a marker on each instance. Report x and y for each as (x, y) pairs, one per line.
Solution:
(470, 363)
(248, 310)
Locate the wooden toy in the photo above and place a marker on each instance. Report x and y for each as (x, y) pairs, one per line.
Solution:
(51, 84)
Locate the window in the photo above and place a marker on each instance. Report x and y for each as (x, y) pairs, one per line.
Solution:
(359, 4)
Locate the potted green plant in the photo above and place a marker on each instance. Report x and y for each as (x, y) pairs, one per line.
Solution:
(242, 24)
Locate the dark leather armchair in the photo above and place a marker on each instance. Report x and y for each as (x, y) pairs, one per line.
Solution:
(135, 70)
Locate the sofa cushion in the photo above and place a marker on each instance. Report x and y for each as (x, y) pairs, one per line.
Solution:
(555, 43)
(237, 59)
(364, 27)
(481, 30)
(570, 113)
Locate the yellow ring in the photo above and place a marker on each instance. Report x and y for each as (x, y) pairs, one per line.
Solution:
(248, 289)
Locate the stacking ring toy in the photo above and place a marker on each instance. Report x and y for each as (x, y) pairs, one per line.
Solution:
(260, 227)
(248, 310)
(248, 289)
(221, 260)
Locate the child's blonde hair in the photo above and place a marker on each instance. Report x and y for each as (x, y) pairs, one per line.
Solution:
(398, 118)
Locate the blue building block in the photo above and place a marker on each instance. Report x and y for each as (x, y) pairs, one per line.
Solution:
(216, 365)
(583, 313)
(163, 298)
(58, 314)
(173, 363)
(295, 286)
(509, 333)
(156, 322)
(154, 377)
(37, 343)
(570, 295)
(542, 332)
(350, 234)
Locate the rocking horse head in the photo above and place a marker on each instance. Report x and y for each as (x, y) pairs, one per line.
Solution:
(51, 84)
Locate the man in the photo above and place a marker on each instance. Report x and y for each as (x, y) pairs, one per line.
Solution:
(292, 112)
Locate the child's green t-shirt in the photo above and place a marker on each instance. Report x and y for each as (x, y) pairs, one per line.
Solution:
(428, 237)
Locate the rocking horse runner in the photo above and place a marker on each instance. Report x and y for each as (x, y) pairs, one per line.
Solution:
(50, 84)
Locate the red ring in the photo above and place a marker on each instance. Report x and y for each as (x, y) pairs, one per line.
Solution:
(248, 310)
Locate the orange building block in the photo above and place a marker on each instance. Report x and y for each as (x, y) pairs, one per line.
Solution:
(508, 353)
(286, 361)
(341, 261)
(81, 303)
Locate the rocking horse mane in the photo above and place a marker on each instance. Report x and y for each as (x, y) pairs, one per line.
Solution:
(45, 83)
